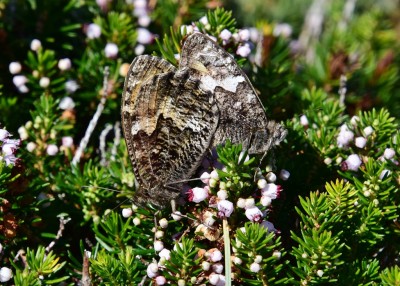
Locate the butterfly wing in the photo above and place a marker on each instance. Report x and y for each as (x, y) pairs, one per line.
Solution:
(242, 116)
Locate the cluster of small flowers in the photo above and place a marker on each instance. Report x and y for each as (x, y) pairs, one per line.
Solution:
(8, 147)
(144, 36)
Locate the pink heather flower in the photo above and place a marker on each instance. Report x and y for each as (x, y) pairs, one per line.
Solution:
(284, 174)
(144, 36)
(360, 142)
(4, 134)
(218, 268)
(204, 20)
(14, 67)
(152, 270)
(222, 194)
(243, 50)
(160, 280)
(111, 50)
(353, 162)
(9, 149)
(255, 267)
(144, 21)
(213, 278)
(225, 35)
(368, 131)
(140, 3)
(254, 214)
(52, 150)
(93, 31)
(225, 208)
(31, 146)
(64, 64)
(215, 255)
(10, 159)
(345, 136)
(165, 253)
(269, 226)
(44, 82)
(271, 190)
(127, 212)
(244, 35)
(71, 86)
(254, 34)
(389, 153)
(304, 120)
(205, 177)
(221, 280)
(5, 274)
(284, 30)
(197, 195)
(103, 4)
(139, 50)
(67, 141)
(67, 103)
(19, 80)
(36, 45)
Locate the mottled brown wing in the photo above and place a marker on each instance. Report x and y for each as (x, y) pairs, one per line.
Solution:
(171, 127)
(141, 70)
(242, 116)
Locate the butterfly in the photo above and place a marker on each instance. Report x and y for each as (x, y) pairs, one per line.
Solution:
(172, 117)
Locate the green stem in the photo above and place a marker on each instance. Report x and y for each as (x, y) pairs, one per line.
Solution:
(227, 252)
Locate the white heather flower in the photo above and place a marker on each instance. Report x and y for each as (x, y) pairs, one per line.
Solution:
(221, 281)
(197, 195)
(189, 29)
(237, 260)
(136, 221)
(23, 89)
(111, 50)
(159, 234)
(160, 280)
(255, 267)
(213, 278)
(4, 134)
(165, 253)
(389, 153)
(354, 120)
(139, 50)
(353, 162)
(144, 21)
(254, 34)
(163, 223)
(152, 270)
(5, 274)
(225, 208)
(66, 103)
(218, 268)
(271, 190)
(140, 4)
(384, 173)
(124, 69)
(44, 82)
(244, 35)
(261, 183)
(93, 31)
(213, 183)
(9, 149)
(205, 177)
(368, 131)
(215, 255)
(271, 177)
(241, 157)
(144, 36)
(31, 146)
(19, 80)
(23, 134)
(71, 86)
(345, 136)
(225, 35)
(243, 50)
(360, 142)
(158, 245)
(214, 175)
(14, 67)
(254, 214)
(258, 259)
(203, 20)
(222, 194)
(126, 212)
(320, 273)
(64, 64)
(208, 218)
(269, 226)
(35, 45)
(52, 149)
(205, 265)
(284, 174)
(67, 141)
(304, 120)
(241, 203)
(176, 216)
(266, 201)
(328, 161)
(249, 203)
(284, 30)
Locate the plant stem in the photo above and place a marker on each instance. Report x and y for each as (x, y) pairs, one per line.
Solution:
(227, 252)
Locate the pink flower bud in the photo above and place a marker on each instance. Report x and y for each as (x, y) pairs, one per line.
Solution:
(254, 214)
(197, 195)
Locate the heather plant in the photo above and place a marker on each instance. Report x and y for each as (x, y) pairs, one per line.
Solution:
(321, 208)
